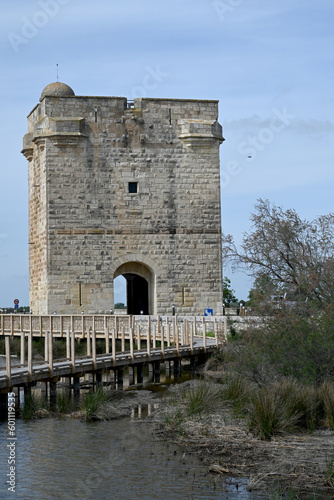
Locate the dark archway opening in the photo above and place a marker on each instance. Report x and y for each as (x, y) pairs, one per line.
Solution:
(136, 294)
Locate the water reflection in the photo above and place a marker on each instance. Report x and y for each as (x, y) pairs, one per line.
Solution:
(118, 460)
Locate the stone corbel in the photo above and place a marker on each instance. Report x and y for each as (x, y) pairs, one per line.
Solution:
(201, 133)
(27, 150)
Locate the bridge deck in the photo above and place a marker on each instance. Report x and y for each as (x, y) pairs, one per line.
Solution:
(177, 339)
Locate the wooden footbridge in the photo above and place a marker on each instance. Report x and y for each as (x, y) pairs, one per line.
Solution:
(112, 344)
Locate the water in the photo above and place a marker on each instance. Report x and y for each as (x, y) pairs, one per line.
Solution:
(118, 460)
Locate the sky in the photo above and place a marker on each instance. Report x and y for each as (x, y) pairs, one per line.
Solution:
(269, 63)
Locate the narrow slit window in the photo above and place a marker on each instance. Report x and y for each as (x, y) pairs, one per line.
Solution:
(133, 187)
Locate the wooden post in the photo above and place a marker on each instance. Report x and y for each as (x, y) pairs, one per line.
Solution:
(162, 340)
(177, 367)
(76, 387)
(46, 347)
(123, 339)
(49, 335)
(168, 332)
(191, 339)
(138, 338)
(113, 345)
(225, 328)
(131, 344)
(99, 381)
(88, 342)
(53, 393)
(94, 348)
(156, 368)
(154, 337)
(131, 375)
(204, 333)
(183, 332)
(107, 339)
(73, 351)
(83, 325)
(119, 378)
(176, 334)
(22, 348)
(148, 341)
(68, 344)
(140, 373)
(8, 363)
(30, 356)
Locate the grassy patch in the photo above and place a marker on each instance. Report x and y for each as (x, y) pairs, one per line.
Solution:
(32, 405)
(201, 397)
(99, 405)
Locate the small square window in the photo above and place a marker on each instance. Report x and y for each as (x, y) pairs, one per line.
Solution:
(133, 187)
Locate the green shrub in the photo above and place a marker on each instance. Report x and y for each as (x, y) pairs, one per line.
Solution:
(32, 404)
(65, 403)
(98, 405)
(268, 414)
(199, 397)
(238, 390)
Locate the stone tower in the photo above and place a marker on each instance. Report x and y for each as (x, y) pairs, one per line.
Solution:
(120, 187)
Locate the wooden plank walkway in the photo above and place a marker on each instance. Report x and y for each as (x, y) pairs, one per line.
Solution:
(177, 337)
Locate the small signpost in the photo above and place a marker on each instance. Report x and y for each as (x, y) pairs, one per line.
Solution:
(208, 312)
(16, 303)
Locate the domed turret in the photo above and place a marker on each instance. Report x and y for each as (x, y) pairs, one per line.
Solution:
(56, 89)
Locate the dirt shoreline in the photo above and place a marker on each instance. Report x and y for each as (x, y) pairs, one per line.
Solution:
(297, 462)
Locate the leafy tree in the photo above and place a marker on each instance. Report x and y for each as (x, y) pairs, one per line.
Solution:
(119, 305)
(292, 254)
(228, 294)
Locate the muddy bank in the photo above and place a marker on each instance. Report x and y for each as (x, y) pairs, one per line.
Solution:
(299, 462)
(124, 404)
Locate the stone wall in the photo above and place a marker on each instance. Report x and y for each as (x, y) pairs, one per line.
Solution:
(86, 227)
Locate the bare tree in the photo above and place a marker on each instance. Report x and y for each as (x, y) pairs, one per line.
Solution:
(296, 255)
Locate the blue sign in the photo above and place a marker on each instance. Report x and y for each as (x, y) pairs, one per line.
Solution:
(208, 312)
(16, 306)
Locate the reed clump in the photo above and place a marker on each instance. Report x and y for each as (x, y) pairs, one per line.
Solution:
(34, 406)
(201, 397)
(281, 407)
(100, 405)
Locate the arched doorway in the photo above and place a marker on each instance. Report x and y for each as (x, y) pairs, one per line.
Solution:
(140, 287)
(136, 294)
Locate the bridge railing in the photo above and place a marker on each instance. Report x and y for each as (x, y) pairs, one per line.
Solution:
(135, 334)
(15, 324)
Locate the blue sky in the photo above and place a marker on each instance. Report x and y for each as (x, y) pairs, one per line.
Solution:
(269, 63)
